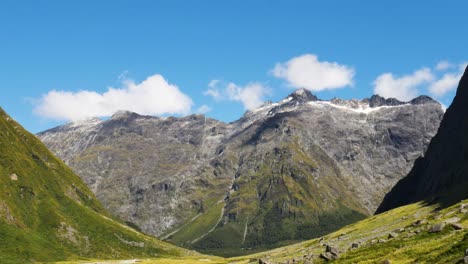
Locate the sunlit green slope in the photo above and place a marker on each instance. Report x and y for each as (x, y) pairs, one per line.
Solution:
(48, 214)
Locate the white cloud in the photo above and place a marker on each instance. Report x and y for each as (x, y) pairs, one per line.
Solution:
(443, 65)
(402, 88)
(153, 96)
(203, 109)
(447, 83)
(306, 71)
(213, 90)
(251, 95)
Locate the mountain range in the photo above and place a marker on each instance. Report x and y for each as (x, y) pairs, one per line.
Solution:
(286, 171)
(47, 213)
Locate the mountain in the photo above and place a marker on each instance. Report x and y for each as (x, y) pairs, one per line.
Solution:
(442, 174)
(47, 213)
(290, 170)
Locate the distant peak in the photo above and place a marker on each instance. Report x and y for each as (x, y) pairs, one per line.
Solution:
(423, 99)
(377, 100)
(303, 95)
(124, 115)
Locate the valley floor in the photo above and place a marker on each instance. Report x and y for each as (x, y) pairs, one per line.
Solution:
(404, 235)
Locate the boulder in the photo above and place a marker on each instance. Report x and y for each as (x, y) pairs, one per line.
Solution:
(14, 177)
(437, 228)
(452, 220)
(333, 250)
(456, 226)
(420, 222)
(264, 261)
(392, 235)
(328, 256)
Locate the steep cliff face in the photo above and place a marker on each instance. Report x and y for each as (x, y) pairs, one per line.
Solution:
(442, 174)
(293, 169)
(47, 213)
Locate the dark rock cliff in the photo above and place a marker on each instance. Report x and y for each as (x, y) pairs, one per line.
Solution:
(442, 174)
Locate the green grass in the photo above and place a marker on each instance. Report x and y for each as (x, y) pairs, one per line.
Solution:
(200, 226)
(48, 213)
(447, 246)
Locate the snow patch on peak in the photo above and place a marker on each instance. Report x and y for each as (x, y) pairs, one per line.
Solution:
(85, 122)
(356, 106)
(301, 91)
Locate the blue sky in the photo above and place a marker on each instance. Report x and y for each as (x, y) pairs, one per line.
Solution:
(180, 48)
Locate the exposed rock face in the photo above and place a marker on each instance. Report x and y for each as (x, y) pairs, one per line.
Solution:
(146, 170)
(442, 174)
(293, 169)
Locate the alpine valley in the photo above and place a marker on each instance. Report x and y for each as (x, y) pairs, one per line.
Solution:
(287, 171)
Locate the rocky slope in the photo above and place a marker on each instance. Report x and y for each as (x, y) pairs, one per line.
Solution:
(289, 170)
(442, 174)
(47, 213)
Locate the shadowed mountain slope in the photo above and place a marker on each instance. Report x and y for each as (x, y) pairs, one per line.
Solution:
(442, 174)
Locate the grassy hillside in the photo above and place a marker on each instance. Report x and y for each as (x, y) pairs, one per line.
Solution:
(48, 214)
(412, 241)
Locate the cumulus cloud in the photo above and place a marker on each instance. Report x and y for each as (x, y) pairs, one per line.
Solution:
(441, 80)
(402, 88)
(443, 65)
(251, 95)
(306, 71)
(448, 82)
(213, 90)
(153, 96)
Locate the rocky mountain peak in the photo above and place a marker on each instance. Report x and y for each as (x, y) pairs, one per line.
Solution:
(377, 100)
(124, 115)
(302, 95)
(423, 99)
